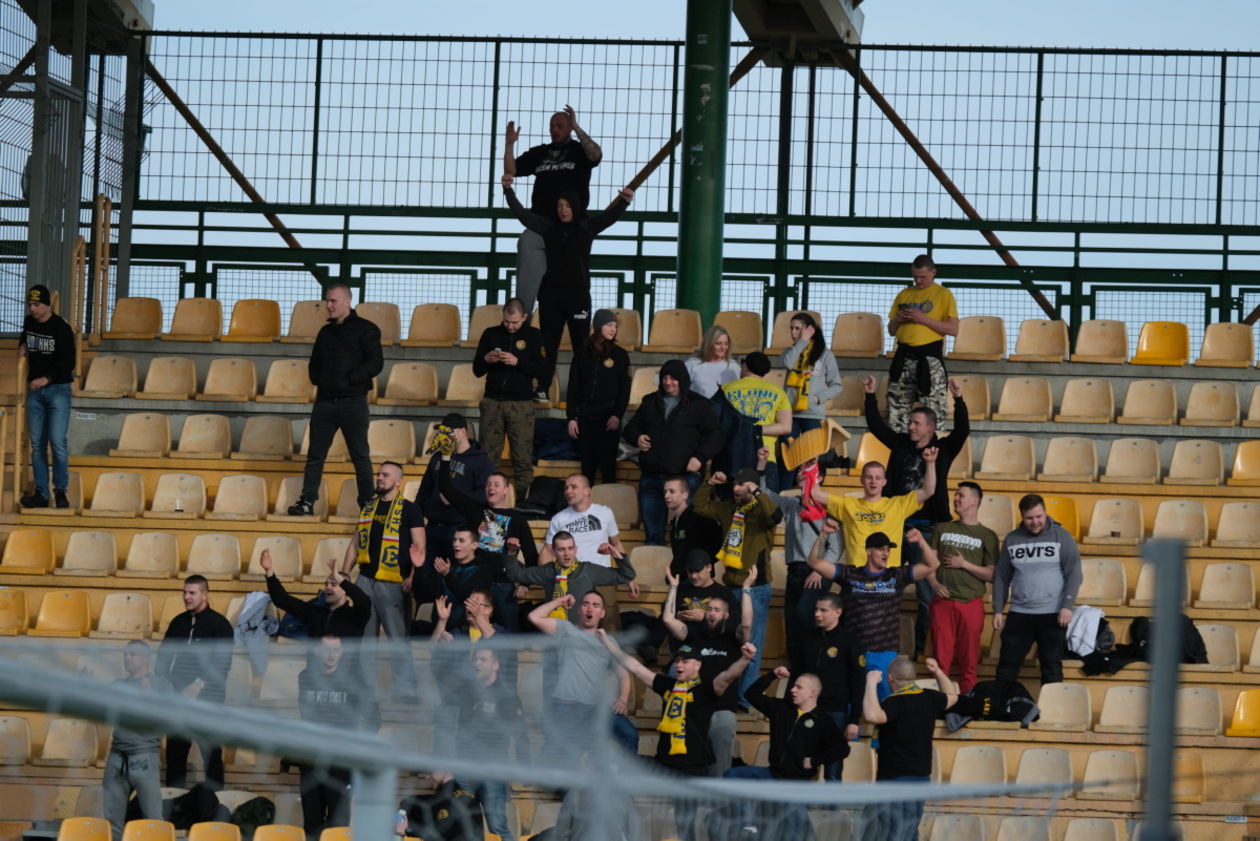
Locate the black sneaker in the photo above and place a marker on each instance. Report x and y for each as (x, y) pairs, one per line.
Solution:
(59, 498)
(542, 396)
(34, 500)
(302, 508)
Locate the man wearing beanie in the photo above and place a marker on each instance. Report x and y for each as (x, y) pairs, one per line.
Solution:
(753, 396)
(47, 342)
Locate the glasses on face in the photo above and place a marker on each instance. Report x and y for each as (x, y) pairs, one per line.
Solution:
(478, 604)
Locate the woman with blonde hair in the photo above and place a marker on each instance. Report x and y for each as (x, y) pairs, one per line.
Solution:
(712, 366)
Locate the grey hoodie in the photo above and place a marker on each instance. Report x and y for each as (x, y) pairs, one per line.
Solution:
(1041, 571)
(799, 535)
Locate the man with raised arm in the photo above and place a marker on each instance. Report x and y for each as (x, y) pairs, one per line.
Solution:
(594, 528)
(922, 315)
(344, 613)
(468, 466)
(831, 654)
(566, 575)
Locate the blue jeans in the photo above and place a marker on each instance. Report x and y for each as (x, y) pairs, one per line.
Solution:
(652, 504)
(48, 416)
(910, 554)
(760, 596)
(798, 610)
(494, 802)
(894, 821)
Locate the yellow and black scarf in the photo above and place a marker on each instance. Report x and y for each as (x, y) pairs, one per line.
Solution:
(674, 717)
(800, 376)
(387, 564)
(732, 552)
(561, 588)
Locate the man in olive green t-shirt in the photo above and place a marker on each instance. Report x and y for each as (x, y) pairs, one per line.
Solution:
(968, 553)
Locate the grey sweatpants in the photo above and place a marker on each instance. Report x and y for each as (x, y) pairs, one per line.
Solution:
(389, 612)
(123, 775)
(531, 265)
(722, 728)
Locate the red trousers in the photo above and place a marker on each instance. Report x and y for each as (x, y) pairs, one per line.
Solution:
(956, 628)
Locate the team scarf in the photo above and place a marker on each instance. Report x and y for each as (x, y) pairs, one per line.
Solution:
(800, 376)
(674, 718)
(732, 552)
(811, 511)
(561, 588)
(387, 564)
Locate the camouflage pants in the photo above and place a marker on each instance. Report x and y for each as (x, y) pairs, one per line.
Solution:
(904, 391)
(515, 418)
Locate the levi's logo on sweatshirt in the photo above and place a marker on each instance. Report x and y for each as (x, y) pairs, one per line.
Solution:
(1048, 551)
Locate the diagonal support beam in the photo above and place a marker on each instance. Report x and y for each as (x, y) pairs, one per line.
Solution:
(18, 71)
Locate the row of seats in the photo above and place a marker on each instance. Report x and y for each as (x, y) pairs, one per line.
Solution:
(98, 829)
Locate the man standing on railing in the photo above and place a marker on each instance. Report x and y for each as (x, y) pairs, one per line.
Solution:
(47, 342)
(921, 317)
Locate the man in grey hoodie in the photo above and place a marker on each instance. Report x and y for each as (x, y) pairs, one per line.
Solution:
(1040, 570)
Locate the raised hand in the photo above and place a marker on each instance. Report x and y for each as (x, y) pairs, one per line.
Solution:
(868, 384)
(506, 180)
(442, 606)
(748, 650)
(718, 478)
(568, 110)
(955, 387)
(670, 578)
(782, 672)
(830, 525)
(567, 601)
(930, 453)
(512, 133)
(264, 560)
(914, 536)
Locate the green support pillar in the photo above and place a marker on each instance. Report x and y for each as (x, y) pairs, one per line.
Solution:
(702, 203)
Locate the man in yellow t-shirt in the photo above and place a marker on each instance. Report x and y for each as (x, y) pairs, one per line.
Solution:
(860, 517)
(753, 396)
(920, 319)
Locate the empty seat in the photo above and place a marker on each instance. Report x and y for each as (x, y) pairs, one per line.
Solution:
(622, 499)
(89, 553)
(204, 436)
(433, 325)
(1227, 586)
(1132, 461)
(1182, 518)
(870, 449)
(195, 320)
(125, 616)
(1246, 719)
(1064, 511)
(1101, 341)
(29, 552)
(1227, 345)
(1221, 642)
(1026, 400)
(1116, 522)
(1196, 463)
(266, 437)
(178, 496)
(169, 378)
(63, 613)
(12, 612)
(254, 320)
(463, 388)
(1162, 343)
(15, 745)
(85, 828)
(330, 548)
(1124, 710)
(288, 381)
(1044, 765)
(337, 450)
(286, 559)
(979, 765)
(117, 494)
(1151, 402)
(997, 511)
(1103, 582)
(859, 766)
(629, 328)
(781, 331)
(1189, 780)
(747, 332)
(135, 318)
(1040, 340)
(290, 490)
(1246, 468)
(960, 467)
(1092, 829)
(1238, 526)
(1087, 401)
(68, 743)
(1070, 459)
(1023, 829)
(1253, 409)
(385, 315)
(1212, 404)
(151, 555)
(146, 830)
(392, 440)
(279, 832)
(144, 435)
(1144, 589)
(109, 377)
(674, 331)
(980, 337)
(975, 391)
(483, 318)
(241, 497)
(410, 384)
(1199, 711)
(851, 399)
(214, 831)
(643, 383)
(230, 379)
(215, 556)
(305, 322)
(1110, 775)
(948, 827)
(1064, 706)
(858, 334)
(1008, 457)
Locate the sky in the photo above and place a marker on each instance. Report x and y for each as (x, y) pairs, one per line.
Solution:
(1169, 24)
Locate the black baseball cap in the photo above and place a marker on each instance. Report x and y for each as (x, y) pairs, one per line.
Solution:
(454, 420)
(39, 294)
(696, 560)
(686, 652)
(879, 540)
(747, 474)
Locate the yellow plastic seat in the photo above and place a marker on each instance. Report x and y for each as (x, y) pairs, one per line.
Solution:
(1227, 345)
(385, 315)
(978, 765)
(1149, 402)
(266, 438)
(1198, 711)
(410, 384)
(1044, 765)
(332, 548)
(126, 616)
(347, 508)
(28, 552)
(178, 496)
(1092, 829)
(117, 494)
(1064, 707)
(204, 437)
(483, 317)
(216, 556)
(1070, 459)
(975, 391)
(84, 829)
(15, 747)
(1182, 518)
(1227, 586)
(146, 830)
(1253, 409)
(949, 827)
(464, 388)
(230, 379)
(241, 497)
(869, 449)
(1132, 461)
(1040, 340)
(629, 328)
(135, 318)
(63, 613)
(286, 559)
(68, 743)
(109, 377)
(859, 767)
(195, 320)
(89, 553)
(169, 378)
(151, 555)
(1089, 400)
(1162, 343)
(279, 688)
(392, 440)
(1196, 463)
(214, 831)
(1103, 582)
(1189, 778)
(1025, 400)
(13, 618)
(337, 450)
(998, 512)
(674, 331)
(144, 435)
(290, 490)
(1023, 829)
(1144, 589)
(288, 381)
(433, 325)
(1124, 710)
(1116, 522)
(305, 322)
(622, 499)
(1221, 642)
(851, 399)
(961, 466)
(1246, 719)
(1212, 404)
(980, 337)
(1110, 775)
(781, 330)
(1101, 341)
(254, 320)
(1238, 526)
(858, 334)
(1008, 457)
(1064, 511)
(747, 331)
(643, 382)
(1246, 468)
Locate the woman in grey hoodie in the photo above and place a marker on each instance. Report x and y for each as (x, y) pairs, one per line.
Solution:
(813, 377)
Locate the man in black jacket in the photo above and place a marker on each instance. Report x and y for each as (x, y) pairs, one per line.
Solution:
(687, 529)
(676, 431)
(345, 610)
(829, 654)
(469, 469)
(47, 342)
(345, 358)
(511, 356)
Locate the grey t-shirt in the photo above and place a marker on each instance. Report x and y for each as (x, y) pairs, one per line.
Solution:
(130, 742)
(585, 665)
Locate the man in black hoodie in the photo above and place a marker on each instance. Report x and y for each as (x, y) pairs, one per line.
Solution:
(345, 358)
(47, 342)
(676, 431)
(468, 467)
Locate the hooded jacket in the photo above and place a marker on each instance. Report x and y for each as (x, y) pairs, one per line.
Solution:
(599, 382)
(690, 430)
(468, 472)
(568, 244)
(1041, 572)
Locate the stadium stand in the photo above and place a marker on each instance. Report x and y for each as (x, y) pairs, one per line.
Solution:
(433, 325)
(858, 334)
(1162, 343)
(305, 322)
(746, 330)
(254, 320)
(195, 320)
(169, 378)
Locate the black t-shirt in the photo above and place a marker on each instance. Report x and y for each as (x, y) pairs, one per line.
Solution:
(699, 711)
(691, 531)
(691, 597)
(717, 651)
(411, 519)
(556, 169)
(905, 740)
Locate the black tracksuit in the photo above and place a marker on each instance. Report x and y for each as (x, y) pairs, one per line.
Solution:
(836, 659)
(599, 389)
(795, 735)
(511, 382)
